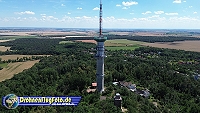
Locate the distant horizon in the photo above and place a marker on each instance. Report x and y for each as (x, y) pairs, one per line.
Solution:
(92, 28)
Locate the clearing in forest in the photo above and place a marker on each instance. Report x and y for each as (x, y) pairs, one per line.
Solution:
(122, 44)
(15, 68)
(119, 44)
(14, 57)
(3, 48)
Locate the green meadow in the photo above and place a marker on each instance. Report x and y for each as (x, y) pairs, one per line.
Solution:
(65, 42)
(15, 37)
(122, 44)
(3, 65)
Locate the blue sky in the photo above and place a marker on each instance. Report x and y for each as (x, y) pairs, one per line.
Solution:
(135, 14)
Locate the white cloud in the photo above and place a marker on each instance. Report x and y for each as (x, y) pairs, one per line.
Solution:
(151, 22)
(171, 14)
(96, 8)
(131, 13)
(125, 8)
(79, 8)
(68, 13)
(159, 12)
(190, 6)
(154, 16)
(147, 12)
(195, 13)
(25, 12)
(42, 14)
(118, 5)
(48, 18)
(129, 3)
(86, 17)
(63, 5)
(177, 1)
(184, 1)
(78, 17)
(122, 19)
(112, 17)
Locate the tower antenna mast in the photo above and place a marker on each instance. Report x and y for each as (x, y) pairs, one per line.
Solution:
(100, 20)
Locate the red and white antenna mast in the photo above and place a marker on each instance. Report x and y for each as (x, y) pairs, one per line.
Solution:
(100, 21)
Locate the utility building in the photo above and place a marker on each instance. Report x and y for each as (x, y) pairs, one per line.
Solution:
(100, 55)
(118, 100)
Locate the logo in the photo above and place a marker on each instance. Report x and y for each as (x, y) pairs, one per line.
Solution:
(10, 101)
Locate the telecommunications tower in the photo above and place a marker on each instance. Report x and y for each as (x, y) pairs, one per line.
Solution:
(100, 55)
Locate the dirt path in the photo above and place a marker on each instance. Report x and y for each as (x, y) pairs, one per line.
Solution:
(14, 68)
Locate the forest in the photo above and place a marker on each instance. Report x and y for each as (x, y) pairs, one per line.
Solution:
(150, 39)
(167, 73)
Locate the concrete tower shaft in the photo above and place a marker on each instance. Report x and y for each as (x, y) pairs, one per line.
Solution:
(100, 54)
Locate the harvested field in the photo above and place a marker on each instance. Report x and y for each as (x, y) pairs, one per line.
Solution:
(4, 40)
(14, 57)
(181, 45)
(44, 33)
(14, 68)
(88, 41)
(3, 48)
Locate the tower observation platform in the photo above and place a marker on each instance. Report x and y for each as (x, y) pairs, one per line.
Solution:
(100, 39)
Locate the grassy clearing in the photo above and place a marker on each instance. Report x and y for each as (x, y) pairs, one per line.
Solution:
(65, 42)
(122, 44)
(15, 57)
(123, 47)
(3, 65)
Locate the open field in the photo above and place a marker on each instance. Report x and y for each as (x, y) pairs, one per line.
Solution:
(14, 57)
(118, 44)
(131, 45)
(88, 41)
(65, 42)
(122, 47)
(47, 33)
(182, 45)
(3, 65)
(15, 37)
(14, 68)
(122, 44)
(3, 48)
(4, 40)
(94, 32)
